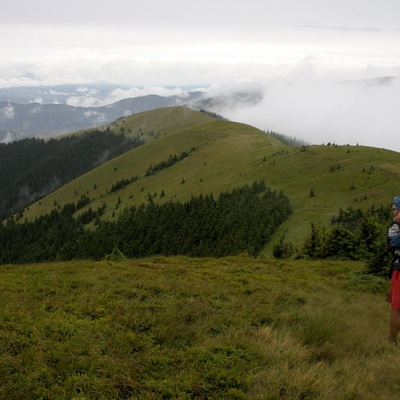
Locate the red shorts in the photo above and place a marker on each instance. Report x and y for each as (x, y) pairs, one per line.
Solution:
(394, 294)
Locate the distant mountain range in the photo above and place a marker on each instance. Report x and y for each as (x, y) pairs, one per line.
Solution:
(61, 94)
(18, 121)
(48, 111)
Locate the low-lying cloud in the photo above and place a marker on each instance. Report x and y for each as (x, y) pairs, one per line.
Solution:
(7, 112)
(90, 98)
(363, 112)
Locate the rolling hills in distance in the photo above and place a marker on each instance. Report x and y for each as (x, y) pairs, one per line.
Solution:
(47, 120)
(49, 111)
(223, 155)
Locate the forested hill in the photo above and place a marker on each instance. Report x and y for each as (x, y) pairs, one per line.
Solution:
(32, 168)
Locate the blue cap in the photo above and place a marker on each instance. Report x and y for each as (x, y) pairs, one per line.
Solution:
(396, 202)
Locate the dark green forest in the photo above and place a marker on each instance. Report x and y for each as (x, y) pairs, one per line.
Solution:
(239, 221)
(32, 168)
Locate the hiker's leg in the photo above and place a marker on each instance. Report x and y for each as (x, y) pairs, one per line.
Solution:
(394, 323)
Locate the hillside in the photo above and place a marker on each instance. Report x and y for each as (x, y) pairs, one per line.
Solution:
(33, 168)
(150, 125)
(224, 155)
(203, 328)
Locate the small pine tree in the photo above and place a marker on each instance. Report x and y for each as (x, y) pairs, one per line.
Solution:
(115, 255)
(283, 249)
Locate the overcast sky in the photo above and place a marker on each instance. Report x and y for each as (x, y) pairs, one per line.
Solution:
(289, 48)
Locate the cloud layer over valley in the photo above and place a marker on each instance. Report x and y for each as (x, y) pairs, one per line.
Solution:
(361, 112)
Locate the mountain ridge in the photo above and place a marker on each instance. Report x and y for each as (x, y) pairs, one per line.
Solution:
(46, 120)
(224, 155)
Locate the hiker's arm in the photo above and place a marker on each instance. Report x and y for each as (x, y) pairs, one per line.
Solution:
(394, 237)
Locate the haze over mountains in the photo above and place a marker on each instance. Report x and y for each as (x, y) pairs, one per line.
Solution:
(307, 107)
(45, 120)
(50, 111)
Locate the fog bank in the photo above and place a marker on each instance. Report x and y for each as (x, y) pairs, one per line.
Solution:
(363, 112)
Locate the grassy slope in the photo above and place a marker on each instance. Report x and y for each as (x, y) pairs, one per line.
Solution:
(232, 328)
(229, 155)
(160, 122)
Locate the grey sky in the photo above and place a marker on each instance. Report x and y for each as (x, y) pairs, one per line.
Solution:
(292, 49)
(338, 12)
(174, 35)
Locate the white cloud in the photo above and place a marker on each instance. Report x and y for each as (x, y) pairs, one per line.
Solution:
(83, 101)
(7, 137)
(98, 117)
(89, 98)
(8, 111)
(321, 111)
(119, 94)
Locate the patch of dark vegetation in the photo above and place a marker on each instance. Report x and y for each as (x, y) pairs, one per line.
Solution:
(33, 168)
(239, 221)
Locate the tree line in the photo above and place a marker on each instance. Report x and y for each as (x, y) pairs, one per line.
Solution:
(32, 168)
(242, 220)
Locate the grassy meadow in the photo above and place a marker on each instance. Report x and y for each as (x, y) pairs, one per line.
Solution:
(186, 328)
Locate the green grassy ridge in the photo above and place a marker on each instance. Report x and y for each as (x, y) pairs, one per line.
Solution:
(178, 327)
(150, 125)
(229, 155)
(220, 146)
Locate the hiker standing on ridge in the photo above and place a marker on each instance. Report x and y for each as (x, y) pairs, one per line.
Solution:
(394, 293)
